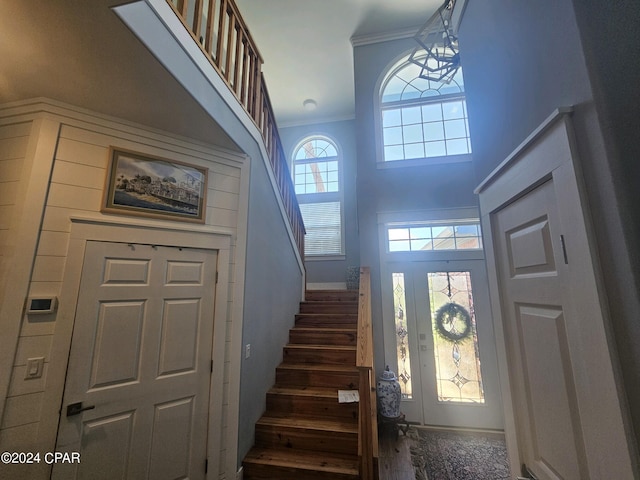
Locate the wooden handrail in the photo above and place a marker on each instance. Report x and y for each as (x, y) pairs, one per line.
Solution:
(368, 413)
(218, 28)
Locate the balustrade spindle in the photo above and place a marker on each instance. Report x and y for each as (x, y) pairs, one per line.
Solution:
(239, 64)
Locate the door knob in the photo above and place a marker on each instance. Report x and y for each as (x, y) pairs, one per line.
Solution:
(77, 408)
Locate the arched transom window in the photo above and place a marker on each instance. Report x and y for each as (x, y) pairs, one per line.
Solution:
(422, 118)
(316, 167)
(316, 176)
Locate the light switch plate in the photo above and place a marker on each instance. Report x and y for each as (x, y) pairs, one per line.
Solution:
(35, 366)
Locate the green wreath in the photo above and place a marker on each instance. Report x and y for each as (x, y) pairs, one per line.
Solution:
(453, 322)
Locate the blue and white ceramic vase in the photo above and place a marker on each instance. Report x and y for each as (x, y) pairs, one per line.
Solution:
(389, 395)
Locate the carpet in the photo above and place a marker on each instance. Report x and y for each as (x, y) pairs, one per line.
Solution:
(449, 455)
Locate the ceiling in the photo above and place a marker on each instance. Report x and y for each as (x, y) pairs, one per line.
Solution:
(307, 52)
(79, 52)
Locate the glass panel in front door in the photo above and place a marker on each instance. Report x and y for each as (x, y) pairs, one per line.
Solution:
(402, 332)
(456, 355)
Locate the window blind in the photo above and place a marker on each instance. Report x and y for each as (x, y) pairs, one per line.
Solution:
(323, 222)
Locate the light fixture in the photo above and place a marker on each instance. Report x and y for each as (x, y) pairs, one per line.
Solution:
(310, 104)
(436, 39)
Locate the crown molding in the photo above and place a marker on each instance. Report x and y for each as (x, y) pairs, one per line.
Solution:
(368, 39)
(316, 121)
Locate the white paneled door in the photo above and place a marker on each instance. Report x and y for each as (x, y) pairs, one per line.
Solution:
(532, 272)
(563, 418)
(136, 397)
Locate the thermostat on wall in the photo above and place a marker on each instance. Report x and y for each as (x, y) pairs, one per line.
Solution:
(41, 305)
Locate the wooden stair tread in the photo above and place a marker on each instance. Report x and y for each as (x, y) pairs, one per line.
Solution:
(332, 290)
(313, 346)
(335, 295)
(340, 303)
(331, 329)
(319, 367)
(306, 432)
(323, 424)
(304, 460)
(303, 391)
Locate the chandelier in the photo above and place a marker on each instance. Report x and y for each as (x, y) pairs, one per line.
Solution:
(436, 38)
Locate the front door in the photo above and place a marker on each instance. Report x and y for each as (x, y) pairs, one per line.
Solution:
(446, 359)
(136, 396)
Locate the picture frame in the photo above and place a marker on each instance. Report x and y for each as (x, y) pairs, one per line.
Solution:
(148, 186)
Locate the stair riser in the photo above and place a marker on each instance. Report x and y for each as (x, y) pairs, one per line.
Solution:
(318, 441)
(323, 338)
(311, 406)
(315, 357)
(327, 308)
(340, 381)
(271, 472)
(328, 321)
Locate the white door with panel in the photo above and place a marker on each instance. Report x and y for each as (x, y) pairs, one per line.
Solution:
(566, 418)
(136, 397)
(444, 343)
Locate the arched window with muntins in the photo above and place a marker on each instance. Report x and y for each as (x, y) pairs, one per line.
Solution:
(316, 166)
(422, 118)
(316, 176)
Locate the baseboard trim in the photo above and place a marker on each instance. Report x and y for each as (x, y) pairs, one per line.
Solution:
(327, 286)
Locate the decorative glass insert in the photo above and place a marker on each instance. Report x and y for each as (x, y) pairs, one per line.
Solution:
(458, 376)
(402, 344)
(422, 118)
(428, 237)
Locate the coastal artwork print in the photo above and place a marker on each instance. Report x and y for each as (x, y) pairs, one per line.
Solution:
(155, 187)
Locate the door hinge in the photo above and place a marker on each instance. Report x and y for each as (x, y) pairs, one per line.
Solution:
(217, 277)
(206, 465)
(211, 366)
(564, 250)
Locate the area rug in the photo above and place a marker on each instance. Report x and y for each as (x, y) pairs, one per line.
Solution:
(448, 455)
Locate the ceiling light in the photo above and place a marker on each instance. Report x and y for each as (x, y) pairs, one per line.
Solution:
(436, 38)
(310, 104)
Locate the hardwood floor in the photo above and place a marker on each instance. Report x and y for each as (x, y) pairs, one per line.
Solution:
(395, 457)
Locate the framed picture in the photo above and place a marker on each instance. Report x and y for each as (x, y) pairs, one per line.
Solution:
(154, 187)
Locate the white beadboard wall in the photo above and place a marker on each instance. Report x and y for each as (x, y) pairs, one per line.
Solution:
(13, 147)
(75, 189)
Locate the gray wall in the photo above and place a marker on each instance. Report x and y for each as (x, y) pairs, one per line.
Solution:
(615, 76)
(273, 284)
(343, 133)
(394, 189)
(524, 59)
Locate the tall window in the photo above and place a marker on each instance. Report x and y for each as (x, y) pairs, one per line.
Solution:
(316, 176)
(421, 118)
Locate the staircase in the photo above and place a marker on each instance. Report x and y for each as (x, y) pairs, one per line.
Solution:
(305, 433)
